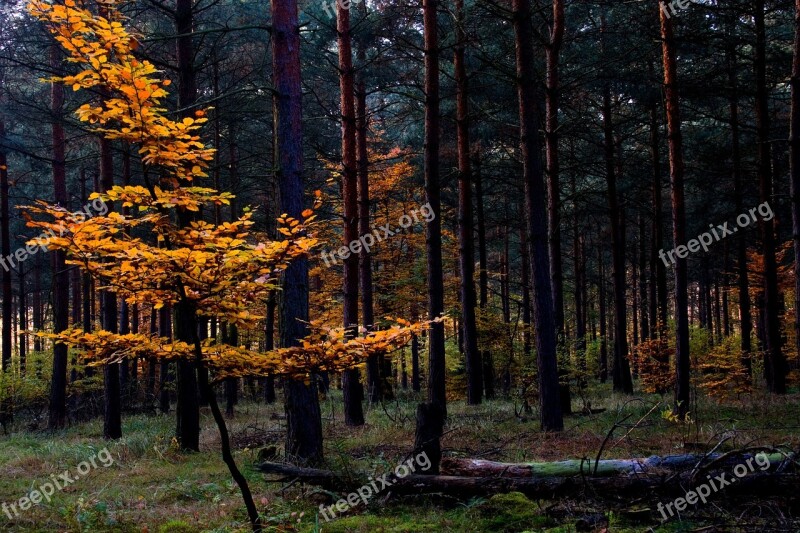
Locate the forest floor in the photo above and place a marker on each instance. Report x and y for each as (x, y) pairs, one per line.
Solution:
(152, 487)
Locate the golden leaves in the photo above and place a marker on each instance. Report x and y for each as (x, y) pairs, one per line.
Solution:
(131, 113)
(218, 271)
(324, 349)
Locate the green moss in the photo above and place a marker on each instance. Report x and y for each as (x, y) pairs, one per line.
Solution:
(176, 526)
(511, 512)
(383, 524)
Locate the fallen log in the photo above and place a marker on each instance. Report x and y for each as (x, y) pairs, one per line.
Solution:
(312, 476)
(547, 487)
(453, 466)
(600, 487)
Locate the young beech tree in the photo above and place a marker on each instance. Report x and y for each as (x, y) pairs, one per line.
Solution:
(208, 271)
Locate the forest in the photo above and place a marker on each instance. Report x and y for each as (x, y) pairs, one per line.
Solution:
(375, 265)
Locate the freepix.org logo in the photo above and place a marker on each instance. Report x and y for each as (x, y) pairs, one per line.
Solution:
(716, 234)
(371, 489)
(714, 484)
(35, 245)
(423, 213)
(57, 482)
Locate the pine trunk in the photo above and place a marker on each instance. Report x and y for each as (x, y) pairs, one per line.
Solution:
(743, 282)
(776, 367)
(374, 388)
(602, 311)
(552, 94)
(474, 365)
(187, 411)
(351, 385)
(545, 327)
(658, 271)
(303, 422)
(433, 241)
(112, 416)
(58, 388)
(675, 142)
(621, 369)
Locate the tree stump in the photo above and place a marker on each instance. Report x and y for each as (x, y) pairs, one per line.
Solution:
(430, 427)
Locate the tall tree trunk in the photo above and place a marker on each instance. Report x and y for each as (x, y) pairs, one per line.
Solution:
(58, 385)
(644, 308)
(725, 281)
(552, 94)
(526, 291)
(776, 367)
(675, 142)
(474, 365)
(621, 374)
(743, 282)
(602, 311)
(433, 240)
(483, 270)
(124, 309)
(505, 290)
(187, 412)
(505, 298)
(546, 341)
(303, 422)
(77, 292)
(579, 268)
(268, 382)
(112, 415)
(150, 383)
(374, 364)
(86, 292)
(658, 271)
(351, 386)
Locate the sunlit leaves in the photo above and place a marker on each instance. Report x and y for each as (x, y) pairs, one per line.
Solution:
(104, 49)
(221, 268)
(224, 271)
(325, 349)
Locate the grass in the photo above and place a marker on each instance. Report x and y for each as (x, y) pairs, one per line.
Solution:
(152, 487)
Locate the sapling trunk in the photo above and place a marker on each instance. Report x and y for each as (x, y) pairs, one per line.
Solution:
(227, 456)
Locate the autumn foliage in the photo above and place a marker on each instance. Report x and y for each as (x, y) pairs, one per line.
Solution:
(654, 360)
(149, 257)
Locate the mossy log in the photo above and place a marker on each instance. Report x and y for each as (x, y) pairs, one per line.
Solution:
(606, 467)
